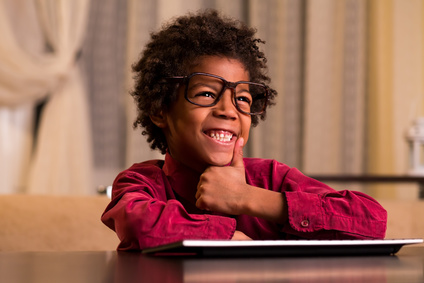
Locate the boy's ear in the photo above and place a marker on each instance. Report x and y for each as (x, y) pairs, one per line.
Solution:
(159, 119)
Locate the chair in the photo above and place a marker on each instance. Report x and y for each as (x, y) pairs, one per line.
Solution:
(54, 223)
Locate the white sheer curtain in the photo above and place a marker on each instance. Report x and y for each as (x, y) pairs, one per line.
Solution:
(61, 160)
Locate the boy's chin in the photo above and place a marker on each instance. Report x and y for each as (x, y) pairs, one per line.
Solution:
(221, 162)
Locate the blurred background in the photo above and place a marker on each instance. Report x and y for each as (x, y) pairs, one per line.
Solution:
(349, 75)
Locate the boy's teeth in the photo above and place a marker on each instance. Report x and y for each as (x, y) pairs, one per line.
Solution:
(220, 135)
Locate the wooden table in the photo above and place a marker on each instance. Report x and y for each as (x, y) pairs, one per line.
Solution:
(111, 266)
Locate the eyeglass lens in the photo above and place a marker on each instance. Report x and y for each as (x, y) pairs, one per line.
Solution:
(205, 90)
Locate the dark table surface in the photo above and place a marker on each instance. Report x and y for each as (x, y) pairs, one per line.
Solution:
(111, 266)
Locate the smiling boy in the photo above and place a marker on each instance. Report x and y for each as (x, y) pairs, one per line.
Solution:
(200, 86)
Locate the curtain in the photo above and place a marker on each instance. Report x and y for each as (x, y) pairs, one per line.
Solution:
(316, 52)
(16, 121)
(104, 69)
(44, 68)
(334, 87)
(284, 53)
(142, 19)
(348, 73)
(395, 89)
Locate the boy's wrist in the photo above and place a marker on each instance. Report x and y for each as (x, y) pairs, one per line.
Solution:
(249, 205)
(266, 204)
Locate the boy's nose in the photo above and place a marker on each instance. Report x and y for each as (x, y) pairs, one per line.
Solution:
(225, 107)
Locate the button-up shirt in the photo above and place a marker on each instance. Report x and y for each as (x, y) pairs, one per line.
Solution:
(153, 203)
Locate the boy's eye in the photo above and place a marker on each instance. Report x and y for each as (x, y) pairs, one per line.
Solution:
(206, 94)
(202, 98)
(244, 99)
(244, 102)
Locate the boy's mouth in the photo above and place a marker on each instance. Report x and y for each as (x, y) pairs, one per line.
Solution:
(220, 135)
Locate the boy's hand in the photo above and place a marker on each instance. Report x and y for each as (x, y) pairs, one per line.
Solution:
(240, 236)
(224, 189)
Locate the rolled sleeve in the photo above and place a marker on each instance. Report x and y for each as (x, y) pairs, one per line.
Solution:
(305, 213)
(353, 214)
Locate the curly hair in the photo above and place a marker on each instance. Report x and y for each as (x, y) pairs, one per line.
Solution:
(174, 49)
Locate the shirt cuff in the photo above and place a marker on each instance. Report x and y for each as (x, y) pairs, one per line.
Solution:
(305, 213)
(220, 227)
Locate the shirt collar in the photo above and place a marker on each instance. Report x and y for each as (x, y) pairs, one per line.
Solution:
(183, 180)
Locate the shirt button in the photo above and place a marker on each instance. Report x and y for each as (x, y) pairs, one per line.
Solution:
(304, 223)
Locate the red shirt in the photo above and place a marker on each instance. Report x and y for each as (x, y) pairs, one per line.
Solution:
(153, 203)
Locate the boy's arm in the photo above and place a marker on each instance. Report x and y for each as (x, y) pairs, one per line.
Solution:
(307, 208)
(266, 204)
(143, 217)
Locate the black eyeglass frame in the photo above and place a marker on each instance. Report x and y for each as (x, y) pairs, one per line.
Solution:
(227, 85)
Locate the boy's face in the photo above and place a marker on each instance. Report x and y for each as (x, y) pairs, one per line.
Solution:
(190, 129)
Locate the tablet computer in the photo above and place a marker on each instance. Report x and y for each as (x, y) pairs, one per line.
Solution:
(227, 248)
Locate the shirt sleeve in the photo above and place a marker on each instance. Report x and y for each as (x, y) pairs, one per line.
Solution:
(143, 217)
(317, 211)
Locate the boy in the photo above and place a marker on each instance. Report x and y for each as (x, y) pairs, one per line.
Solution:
(200, 86)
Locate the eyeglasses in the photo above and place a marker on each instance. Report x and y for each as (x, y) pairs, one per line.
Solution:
(206, 90)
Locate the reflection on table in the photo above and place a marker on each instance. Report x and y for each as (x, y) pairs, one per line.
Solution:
(111, 266)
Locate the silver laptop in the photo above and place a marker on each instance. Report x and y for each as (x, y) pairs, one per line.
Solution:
(226, 248)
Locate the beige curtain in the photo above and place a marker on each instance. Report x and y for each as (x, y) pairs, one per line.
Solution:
(43, 68)
(395, 88)
(271, 22)
(316, 52)
(142, 19)
(334, 87)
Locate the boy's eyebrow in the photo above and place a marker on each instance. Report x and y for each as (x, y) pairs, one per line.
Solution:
(219, 84)
(216, 86)
(245, 88)
(242, 90)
